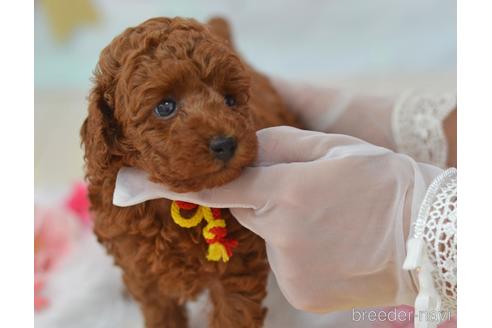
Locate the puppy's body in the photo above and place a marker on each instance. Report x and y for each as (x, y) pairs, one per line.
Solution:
(195, 65)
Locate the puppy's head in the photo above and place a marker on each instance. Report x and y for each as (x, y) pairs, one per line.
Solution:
(171, 98)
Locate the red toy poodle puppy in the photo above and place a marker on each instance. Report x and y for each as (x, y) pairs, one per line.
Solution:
(172, 97)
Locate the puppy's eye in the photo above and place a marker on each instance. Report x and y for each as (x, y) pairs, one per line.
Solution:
(230, 101)
(166, 108)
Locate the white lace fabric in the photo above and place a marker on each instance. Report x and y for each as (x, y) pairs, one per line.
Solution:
(432, 249)
(417, 126)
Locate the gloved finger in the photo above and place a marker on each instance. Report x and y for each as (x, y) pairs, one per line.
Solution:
(251, 190)
(285, 144)
(318, 107)
(247, 217)
(133, 187)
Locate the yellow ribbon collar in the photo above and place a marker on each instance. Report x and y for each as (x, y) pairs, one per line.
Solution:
(215, 232)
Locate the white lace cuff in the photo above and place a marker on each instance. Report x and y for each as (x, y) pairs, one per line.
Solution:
(417, 126)
(432, 252)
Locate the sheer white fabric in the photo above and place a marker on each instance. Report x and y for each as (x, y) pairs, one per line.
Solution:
(417, 125)
(332, 110)
(334, 212)
(411, 124)
(432, 249)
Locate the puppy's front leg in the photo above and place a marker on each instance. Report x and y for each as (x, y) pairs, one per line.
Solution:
(237, 301)
(166, 313)
(159, 311)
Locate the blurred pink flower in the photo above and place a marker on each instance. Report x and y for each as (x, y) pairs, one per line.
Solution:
(55, 230)
(78, 202)
(40, 302)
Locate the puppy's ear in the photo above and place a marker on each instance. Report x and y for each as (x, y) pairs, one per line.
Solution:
(99, 131)
(101, 134)
(220, 27)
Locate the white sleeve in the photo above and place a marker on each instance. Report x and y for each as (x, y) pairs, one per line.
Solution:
(417, 124)
(432, 252)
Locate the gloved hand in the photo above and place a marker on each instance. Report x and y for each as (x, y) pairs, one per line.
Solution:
(422, 125)
(327, 109)
(333, 210)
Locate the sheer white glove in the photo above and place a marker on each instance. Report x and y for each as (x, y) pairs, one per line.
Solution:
(333, 210)
(411, 123)
(341, 111)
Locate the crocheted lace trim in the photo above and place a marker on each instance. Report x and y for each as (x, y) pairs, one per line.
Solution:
(417, 126)
(432, 248)
(439, 234)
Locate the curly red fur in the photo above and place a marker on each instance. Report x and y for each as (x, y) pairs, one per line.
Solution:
(165, 265)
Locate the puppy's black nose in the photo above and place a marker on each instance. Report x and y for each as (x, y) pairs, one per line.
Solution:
(223, 148)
